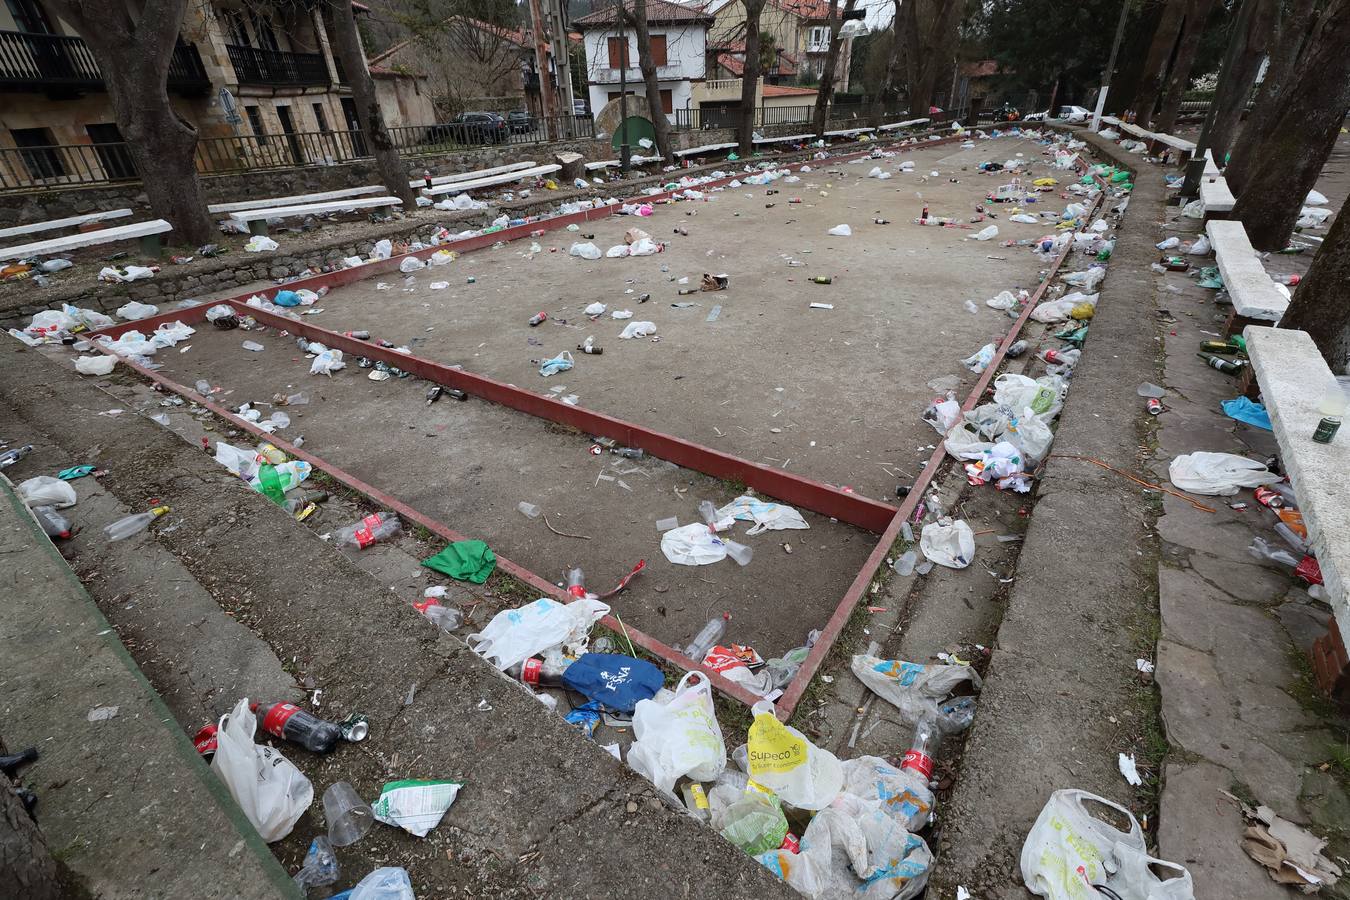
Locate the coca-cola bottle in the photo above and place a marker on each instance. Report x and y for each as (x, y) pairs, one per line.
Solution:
(289, 722)
(536, 672)
(372, 528)
(919, 756)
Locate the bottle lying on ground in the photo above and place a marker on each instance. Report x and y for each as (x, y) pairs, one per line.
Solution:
(372, 528)
(291, 723)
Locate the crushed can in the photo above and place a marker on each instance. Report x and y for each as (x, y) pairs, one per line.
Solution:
(205, 740)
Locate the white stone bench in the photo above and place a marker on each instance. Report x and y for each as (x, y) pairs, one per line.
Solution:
(1179, 144)
(296, 199)
(69, 222)
(470, 176)
(1293, 378)
(147, 232)
(1215, 197)
(1254, 294)
(905, 124)
(255, 220)
(460, 187)
(1212, 170)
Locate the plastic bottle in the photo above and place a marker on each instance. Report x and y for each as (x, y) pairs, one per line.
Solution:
(291, 723)
(628, 452)
(707, 637)
(372, 528)
(1061, 357)
(126, 527)
(1016, 350)
(822, 279)
(446, 618)
(358, 335)
(538, 317)
(576, 582)
(919, 756)
(52, 522)
(536, 672)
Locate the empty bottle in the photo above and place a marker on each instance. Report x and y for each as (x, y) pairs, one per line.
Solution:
(291, 723)
(52, 522)
(707, 638)
(126, 527)
(1230, 366)
(446, 618)
(538, 317)
(372, 528)
(1061, 357)
(919, 756)
(576, 582)
(905, 564)
(359, 335)
(1016, 350)
(628, 452)
(822, 279)
(536, 672)
(589, 346)
(10, 457)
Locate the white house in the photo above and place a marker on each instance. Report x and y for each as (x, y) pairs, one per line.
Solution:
(679, 46)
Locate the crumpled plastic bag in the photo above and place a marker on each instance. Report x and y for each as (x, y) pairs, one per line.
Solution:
(767, 515)
(327, 362)
(1004, 300)
(1020, 392)
(963, 442)
(903, 794)
(1029, 434)
(515, 635)
(678, 737)
(754, 822)
(1217, 474)
(1200, 246)
(693, 545)
(645, 247)
(385, 883)
(912, 688)
(45, 490)
(1060, 310)
(134, 312)
(978, 361)
(560, 363)
(617, 251)
(783, 760)
(410, 264)
(95, 365)
(841, 231)
(948, 543)
(91, 319)
(260, 243)
(383, 249)
(272, 793)
(637, 329)
(943, 414)
(585, 251)
(51, 321)
(1087, 279)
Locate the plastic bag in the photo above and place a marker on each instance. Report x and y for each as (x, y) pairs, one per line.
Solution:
(1069, 850)
(754, 822)
(948, 543)
(784, 761)
(1004, 300)
(260, 243)
(988, 233)
(841, 230)
(692, 545)
(963, 442)
(1200, 247)
(45, 490)
(327, 362)
(515, 635)
(95, 365)
(50, 321)
(637, 329)
(383, 249)
(1031, 435)
(912, 688)
(678, 738)
(645, 247)
(904, 794)
(1020, 392)
(560, 363)
(411, 264)
(1088, 279)
(1219, 474)
(943, 414)
(387, 883)
(617, 251)
(978, 361)
(619, 682)
(270, 790)
(134, 312)
(1194, 210)
(767, 515)
(87, 317)
(585, 251)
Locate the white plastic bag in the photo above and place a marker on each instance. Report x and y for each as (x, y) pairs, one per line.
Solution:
(515, 635)
(637, 329)
(1193, 210)
(260, 243)
(841, 231)
(1069, 850)
(91, 319)
(904, 794)
(963, 442)
(617, 251)
(948, 543)
(1219, 474)
(678, 738)
(912, 688)
(783, 760)
(1029, 434)
(134, 311)
(50, 321)
(767, 515)
(45, 490)
(385, 883)
(585, 251)
(270, 790)
(978, 361)
(1020, 392)
(327, 362)
(95, 365)
(1200, 246)
(383, 249)
(411, 264)
(1004, 300)
(645, 247)
(692, 545)
(1315, 199)
(943, 414)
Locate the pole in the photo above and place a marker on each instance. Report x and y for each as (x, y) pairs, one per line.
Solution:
(562, 61)
(625, 151)
(541, 66)
(1195, 168)
(1110, 65)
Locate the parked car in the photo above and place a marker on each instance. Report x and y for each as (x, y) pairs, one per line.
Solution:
(519, 121)
(579, 107)
(470, 128)
(1035, 117)
(1075, 114)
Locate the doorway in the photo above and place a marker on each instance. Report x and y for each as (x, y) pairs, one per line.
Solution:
(288, 129)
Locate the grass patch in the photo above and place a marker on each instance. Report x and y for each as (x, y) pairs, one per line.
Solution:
(1305, 690)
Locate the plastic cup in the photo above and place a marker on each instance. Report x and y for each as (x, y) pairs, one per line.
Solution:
(664, 525)
(349, 817)
(739, 552)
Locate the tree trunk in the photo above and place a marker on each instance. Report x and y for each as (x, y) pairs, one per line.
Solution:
(134, 56)
(1321, 304)
(887, 87)
(1313, 106)
(1197, 15)
(1155, 65)
(1289, 45)
(26, 866)
(638, 17)
(347, 43)
(749, 77)
(1235, 85)
(938, 23)
(910, 10)
(825, 90)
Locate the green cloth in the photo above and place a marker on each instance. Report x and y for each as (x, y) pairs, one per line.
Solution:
(464, 561)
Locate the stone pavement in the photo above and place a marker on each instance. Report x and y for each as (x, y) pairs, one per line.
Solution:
(1240, 710)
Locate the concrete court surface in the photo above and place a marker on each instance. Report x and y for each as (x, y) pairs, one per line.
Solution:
(830, 394)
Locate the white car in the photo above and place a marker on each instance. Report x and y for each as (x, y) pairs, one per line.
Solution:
(1074, 114)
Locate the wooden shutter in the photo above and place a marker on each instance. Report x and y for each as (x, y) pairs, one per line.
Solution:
(659, 50)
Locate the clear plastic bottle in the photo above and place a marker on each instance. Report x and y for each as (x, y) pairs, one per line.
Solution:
(576, 582)
(291, 723)
(446, 618)
(372, 528)
(707, 637)
(922, 750)
(130, 525)
(52, 522)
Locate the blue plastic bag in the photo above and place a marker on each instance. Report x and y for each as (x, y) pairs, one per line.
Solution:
(617, 682)
(1245, 410)
(286, 298)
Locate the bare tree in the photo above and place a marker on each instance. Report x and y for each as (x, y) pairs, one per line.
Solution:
(937, 23)
(637, 16)
(750, 76)
(1295, 145)
(825, 91)
(1155, 65)
(1197, 15)
(467, 58)
(1236, 82)
(1320, 305)
(887, 88)
(133, 51)
(347, 43)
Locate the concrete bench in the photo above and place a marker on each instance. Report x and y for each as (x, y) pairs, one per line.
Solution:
(905, 124)
(256, 219)
(479, 173)
(1255, 295)
(147, 232)
(69, 222)
(1216, 198)
(706, 149)
(1293, 378)
(460, 187)
(1212, 170)
(1183, 147)
(296, 199)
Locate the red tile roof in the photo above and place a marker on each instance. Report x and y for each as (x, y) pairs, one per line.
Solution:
(658, 11)
(806, 9)
(782, 90)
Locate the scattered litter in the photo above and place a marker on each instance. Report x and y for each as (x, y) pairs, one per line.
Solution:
(841, 231)
(1291, 854)
(415, 806)
(102, 713)
(1220, 474)
(1129, 769)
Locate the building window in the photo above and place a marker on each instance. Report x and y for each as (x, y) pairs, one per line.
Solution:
(659, 51)
(112, 150)
(820, 37)
(234, 22)
(256, 123)
(262, 28)
(667, 102)
(37, 149)
(618, 53)
(319, 118)
(29, 16)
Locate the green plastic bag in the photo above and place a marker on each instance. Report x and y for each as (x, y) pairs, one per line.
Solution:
(755, 823)
(464, 561)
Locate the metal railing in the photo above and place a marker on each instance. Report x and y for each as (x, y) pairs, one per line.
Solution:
(729, 116)
(45, 62)
(255, 66)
